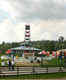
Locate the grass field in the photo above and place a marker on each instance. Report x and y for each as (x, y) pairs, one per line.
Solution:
(35, 76)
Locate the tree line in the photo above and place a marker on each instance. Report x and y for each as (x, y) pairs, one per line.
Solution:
(46, 45)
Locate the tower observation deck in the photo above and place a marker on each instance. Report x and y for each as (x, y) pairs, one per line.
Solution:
(27, 39)
(27, 33)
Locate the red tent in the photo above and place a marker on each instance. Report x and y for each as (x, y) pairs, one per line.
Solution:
(8, 51)
(44, 52)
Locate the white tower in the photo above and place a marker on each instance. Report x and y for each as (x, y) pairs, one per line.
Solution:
(27, 33)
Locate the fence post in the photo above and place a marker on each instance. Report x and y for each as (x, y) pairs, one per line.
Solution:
(0, 69)
(17, 71)
(33, 69)
(47, 69)
(60, 69)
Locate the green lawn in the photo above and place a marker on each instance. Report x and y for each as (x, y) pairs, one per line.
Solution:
(53, 63)
(36, 76)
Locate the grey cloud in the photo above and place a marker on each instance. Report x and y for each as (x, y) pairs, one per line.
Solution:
(38, 11)
(43, 9)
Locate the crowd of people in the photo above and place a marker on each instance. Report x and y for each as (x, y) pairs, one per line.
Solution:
(10, 64)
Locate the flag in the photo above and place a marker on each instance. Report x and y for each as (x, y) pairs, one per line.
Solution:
(57, 53)
(48, 53)
(53, 53)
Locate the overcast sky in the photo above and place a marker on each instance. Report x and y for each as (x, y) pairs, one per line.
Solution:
(47, 19)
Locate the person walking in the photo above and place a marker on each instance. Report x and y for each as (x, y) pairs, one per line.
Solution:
(9, 64)
(12, 62)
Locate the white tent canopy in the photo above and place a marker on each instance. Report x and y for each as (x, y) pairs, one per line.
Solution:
(25, 48)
